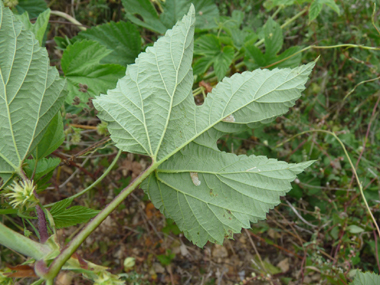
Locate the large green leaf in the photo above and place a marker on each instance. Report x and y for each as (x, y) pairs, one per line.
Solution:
(122, 38)
(208, 193)
(173, 10)
(31, 92)
(86, 77)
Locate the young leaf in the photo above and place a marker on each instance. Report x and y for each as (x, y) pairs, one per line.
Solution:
(59, 207)
(146, 10)
(273, 43)
(317, 5)
(44, 166)
(208, 193)
(273, 38)
(173, 10)
(214, 53)
(31, 92)
(223, 61)
(72, 216)
(39, 27)
(86, 77)
(33, 7)
(52, 138)
(366, 278)
(122, 38)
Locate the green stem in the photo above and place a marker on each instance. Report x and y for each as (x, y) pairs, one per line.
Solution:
(22, 244)
(14, 211)
(68, 18)
(352, 166)
(96, 182)
(57, 264)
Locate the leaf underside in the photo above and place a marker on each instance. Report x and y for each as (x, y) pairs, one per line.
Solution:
(366, 278)
(208, 193)
(31, 93)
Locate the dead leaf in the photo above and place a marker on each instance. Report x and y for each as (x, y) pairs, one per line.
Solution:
(284, 265)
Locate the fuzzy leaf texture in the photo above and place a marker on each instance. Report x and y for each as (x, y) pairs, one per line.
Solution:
(366, 278)
(31, 93)
(209, 194)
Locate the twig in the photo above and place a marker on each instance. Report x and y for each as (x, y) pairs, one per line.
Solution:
(275, 245)
(257, 253)
(299, 216)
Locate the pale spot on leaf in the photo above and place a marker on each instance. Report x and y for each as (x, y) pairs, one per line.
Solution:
(229, 118)
(195, 179)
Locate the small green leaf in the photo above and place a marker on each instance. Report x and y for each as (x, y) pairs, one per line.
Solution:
(52, 138)
(146, 10)
(44, 166)
(223, 61)
(315, 9)
(33, 7)
(86, 77)
(332, 5)
(31, 92)
(255, 53)
(60, 206)
(72, 216)
(207, 45)
(39, 27)
(122, 38)
(202, 64)
(355, 229)
(317, 5)
(166, 259)
(290, 62)
(273, 38)
(211, 48)
(367, 278)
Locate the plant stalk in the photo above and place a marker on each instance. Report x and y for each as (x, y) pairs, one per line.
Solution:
(22, 244)
(57, 264)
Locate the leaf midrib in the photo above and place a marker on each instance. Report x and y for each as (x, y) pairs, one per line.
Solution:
(175, 89)
(6, 97)
(223, 116)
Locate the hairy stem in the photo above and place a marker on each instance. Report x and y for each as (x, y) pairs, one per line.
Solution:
(22, 244)
(69, 18)
(55, 267)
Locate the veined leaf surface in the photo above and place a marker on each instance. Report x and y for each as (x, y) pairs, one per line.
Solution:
(31, 92)
(208, 193)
